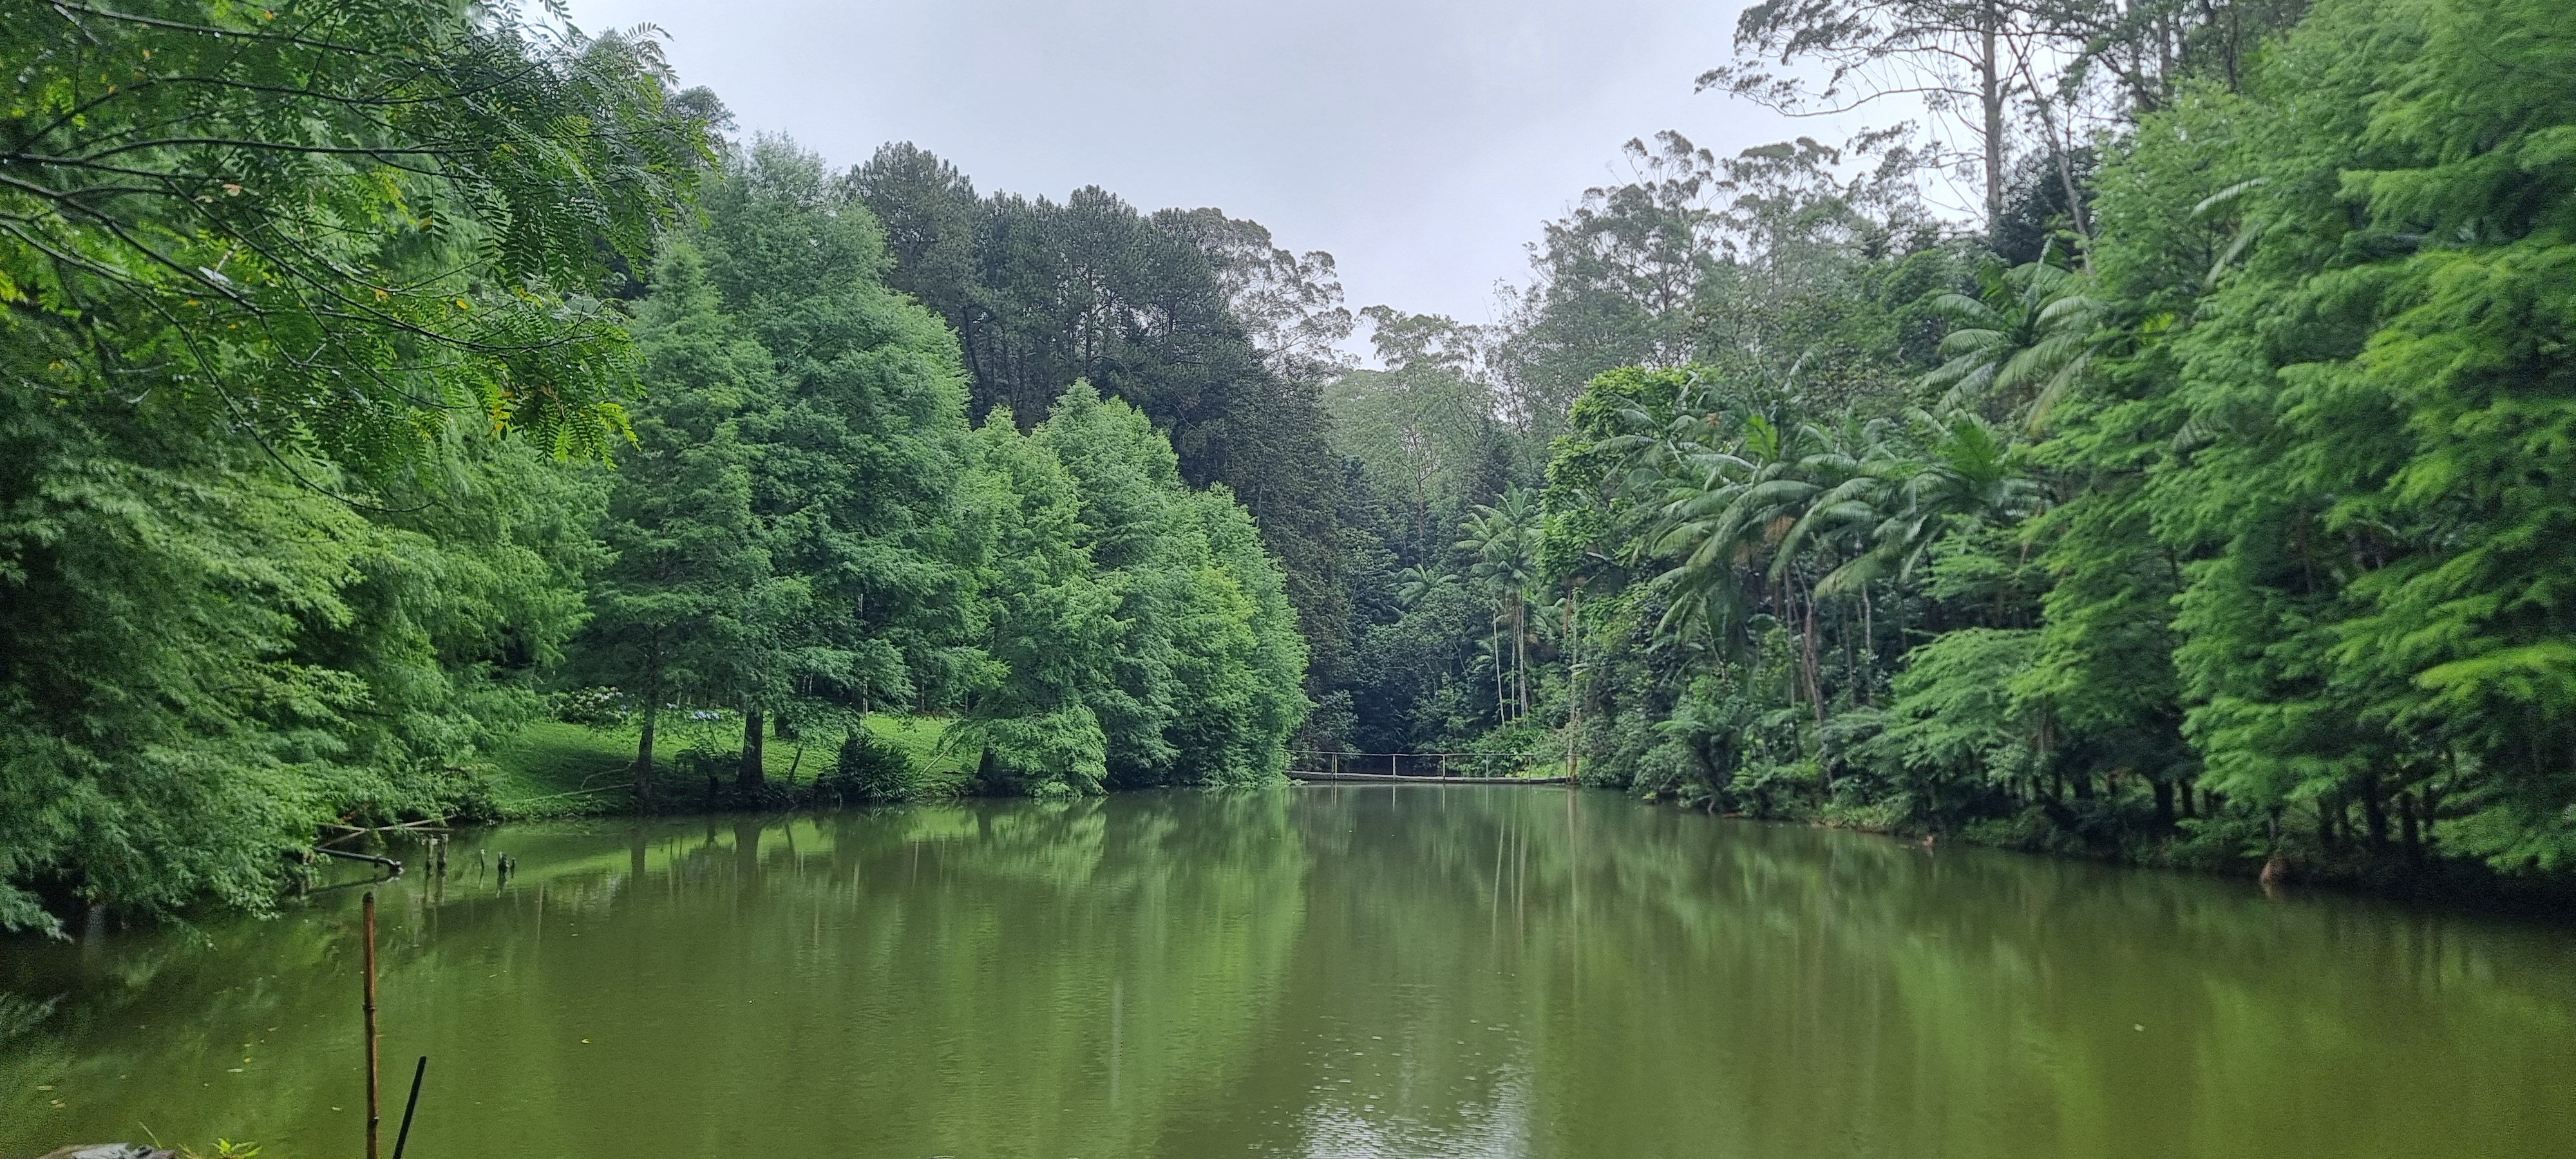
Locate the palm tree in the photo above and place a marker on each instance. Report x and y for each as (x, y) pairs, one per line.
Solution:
(1740, 503)
(1744, 507)
(1719, 492)
(1504, 537)
(1415, 584)
(1964, 470)
(2031, 328)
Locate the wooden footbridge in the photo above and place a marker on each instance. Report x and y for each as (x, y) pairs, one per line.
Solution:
(1401, 769)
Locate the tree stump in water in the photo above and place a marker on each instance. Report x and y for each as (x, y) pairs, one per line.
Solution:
(2276, 870)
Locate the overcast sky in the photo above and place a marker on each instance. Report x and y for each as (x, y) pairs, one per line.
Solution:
(1421, 142)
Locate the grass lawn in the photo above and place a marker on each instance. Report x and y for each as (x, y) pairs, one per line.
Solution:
(553, 769)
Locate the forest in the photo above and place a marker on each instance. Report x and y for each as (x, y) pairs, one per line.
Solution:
(2158, 449)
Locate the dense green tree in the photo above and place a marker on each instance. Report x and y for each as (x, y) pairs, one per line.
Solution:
(858, 457)
(1143, 636)
(1050, 627)
(2367, 489)
(272, 280)
(1955, 731)
(1428, 441)
(1415, 685)
(2242, 523)
(330, 222)
(204, 657)
(1210, 653)
(2205, 499)
(1150, 310)
(785, 539)
(693, 583)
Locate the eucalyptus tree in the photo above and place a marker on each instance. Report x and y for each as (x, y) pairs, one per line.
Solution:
(1964, 59)
(1289, 304)
(1620, 281)
(2150, 50)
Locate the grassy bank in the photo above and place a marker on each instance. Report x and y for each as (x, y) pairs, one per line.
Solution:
(554, 769)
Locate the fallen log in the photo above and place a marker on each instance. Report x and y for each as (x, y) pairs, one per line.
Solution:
(388, 864)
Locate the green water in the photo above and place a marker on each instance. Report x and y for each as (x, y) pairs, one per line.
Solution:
(1320, 971)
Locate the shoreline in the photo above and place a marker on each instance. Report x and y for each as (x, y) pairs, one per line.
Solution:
(2435, 881)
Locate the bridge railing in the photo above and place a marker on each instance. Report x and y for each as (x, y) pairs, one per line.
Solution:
(1401, 764)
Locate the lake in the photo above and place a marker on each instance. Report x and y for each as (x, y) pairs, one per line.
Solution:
(1313, 971)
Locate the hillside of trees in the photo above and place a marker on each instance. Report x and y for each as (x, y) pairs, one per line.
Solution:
(2209, 505)
(2158, 449)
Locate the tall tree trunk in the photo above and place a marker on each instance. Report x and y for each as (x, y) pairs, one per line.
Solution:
(2043, 738)
(1868, 649)
(1811, 664)
(2164, 58)
(652, 717)
(749, 778)
(1816, 692)
(1990, 94)
(2230, 48)
(2063, 145)
(1573, 690)
(1520, 651)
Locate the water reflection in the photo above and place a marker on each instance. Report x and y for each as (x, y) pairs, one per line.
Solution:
(1325, 971)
